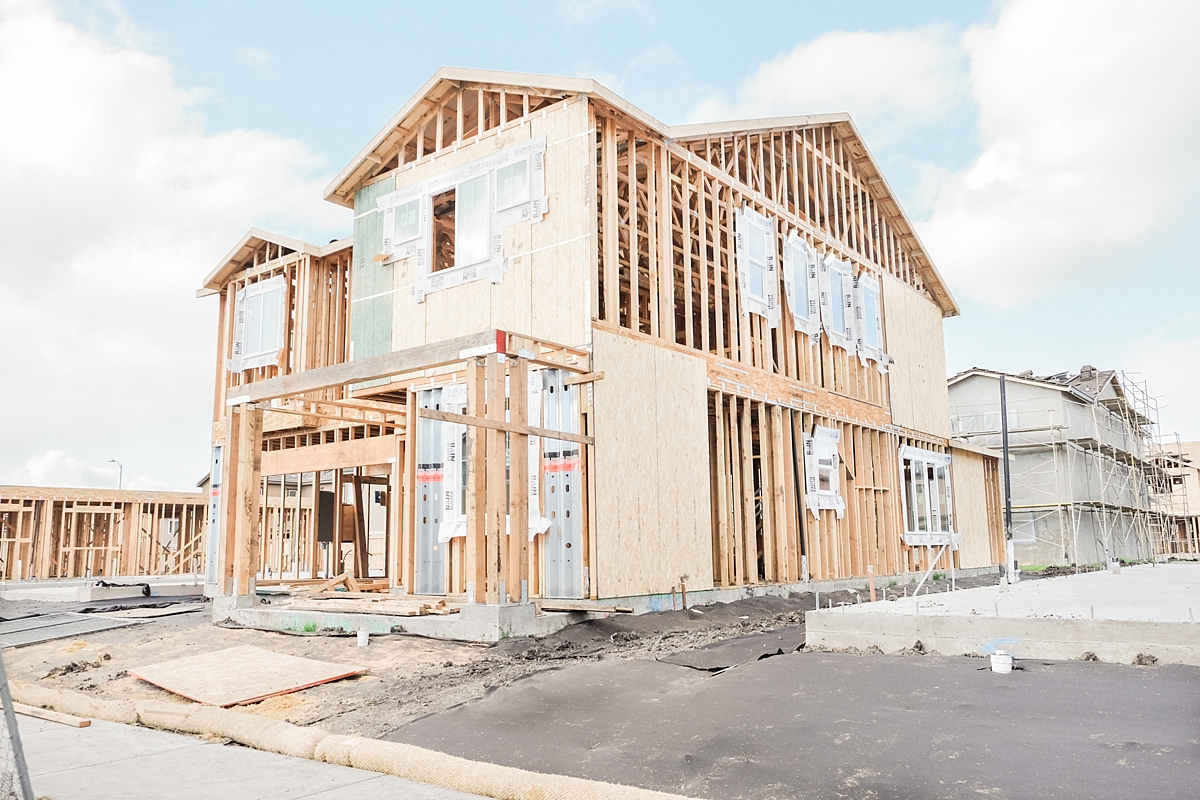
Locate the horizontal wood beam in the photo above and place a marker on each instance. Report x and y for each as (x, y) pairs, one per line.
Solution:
(335, 455)
(497, 425)
(368, 369)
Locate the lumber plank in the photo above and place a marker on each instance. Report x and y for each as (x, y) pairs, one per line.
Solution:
(504, 426)
(52, 716)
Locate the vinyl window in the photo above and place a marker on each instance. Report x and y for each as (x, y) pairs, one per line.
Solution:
(871, 324)
(928, 506)
(259, 321)
(408, 221)
(512, 185)
(471, 217)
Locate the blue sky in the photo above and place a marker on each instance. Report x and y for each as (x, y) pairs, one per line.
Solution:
(1050, 167)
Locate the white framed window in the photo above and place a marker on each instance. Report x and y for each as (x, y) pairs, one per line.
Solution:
(800, 284)
(926, 497)
(868, 321)
(870, 306)
(837, 285)
(471, 218)
(822, 471)
(756, 264)
(512, 185)
(259, 324)
(837, 301)
(408, 222)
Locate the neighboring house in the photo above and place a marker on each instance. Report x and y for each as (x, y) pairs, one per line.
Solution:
(1088, 482)
(48, 532)
(573, 352)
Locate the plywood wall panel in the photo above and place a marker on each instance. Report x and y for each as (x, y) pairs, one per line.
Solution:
(913, 338)
(970, 487)
(653, 516)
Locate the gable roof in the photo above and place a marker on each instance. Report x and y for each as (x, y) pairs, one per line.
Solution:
(248, 244)
(401, 126)
(1089, 385)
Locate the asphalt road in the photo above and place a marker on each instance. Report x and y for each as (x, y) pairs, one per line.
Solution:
(825, 725)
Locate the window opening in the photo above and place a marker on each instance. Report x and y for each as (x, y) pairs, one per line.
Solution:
(444, 216)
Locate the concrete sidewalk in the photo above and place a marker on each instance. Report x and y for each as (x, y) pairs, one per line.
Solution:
(110, 760)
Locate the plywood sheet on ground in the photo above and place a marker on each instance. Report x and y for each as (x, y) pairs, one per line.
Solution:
(241, 675)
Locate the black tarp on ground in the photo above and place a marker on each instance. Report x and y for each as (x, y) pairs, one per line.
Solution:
(741, 650)
(824, 725)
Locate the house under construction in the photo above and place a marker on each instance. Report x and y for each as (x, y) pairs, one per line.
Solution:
(1091, 480)
(91, 533)
(573, 352)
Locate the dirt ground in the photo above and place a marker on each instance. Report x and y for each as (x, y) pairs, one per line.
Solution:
(412, 677)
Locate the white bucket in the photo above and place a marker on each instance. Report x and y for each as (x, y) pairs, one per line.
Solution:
(1001, 662)
(364, 638)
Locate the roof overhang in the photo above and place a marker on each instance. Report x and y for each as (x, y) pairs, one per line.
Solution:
(254, 239)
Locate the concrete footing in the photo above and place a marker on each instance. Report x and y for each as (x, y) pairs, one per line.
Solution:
(474, 623)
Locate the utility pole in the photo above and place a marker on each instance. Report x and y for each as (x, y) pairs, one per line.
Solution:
(120, 472)
(1010, 555)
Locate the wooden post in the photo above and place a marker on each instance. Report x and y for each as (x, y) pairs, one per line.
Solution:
(497, 499)
(518, 496)
(245, 500)
(398, 501)
(476, 550)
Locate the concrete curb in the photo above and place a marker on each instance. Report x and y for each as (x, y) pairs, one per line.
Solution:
(390, 758)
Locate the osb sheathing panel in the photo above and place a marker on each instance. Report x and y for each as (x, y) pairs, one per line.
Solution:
(653, 522)
(544, 293)
(970, 508)
(913, 329)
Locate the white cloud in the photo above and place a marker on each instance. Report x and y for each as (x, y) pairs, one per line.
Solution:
(1089, 124)
(56, 468)
(579, 12)
(1165, 358)
(116, 203)
(254, 56)
(892, 81)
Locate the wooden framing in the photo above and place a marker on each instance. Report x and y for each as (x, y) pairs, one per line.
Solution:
(85, 533)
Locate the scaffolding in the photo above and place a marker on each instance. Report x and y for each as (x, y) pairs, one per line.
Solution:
(1092, 474)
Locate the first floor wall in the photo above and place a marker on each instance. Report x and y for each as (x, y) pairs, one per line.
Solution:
(977, 508)
(651, 468)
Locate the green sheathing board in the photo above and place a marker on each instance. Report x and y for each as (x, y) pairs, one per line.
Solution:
(370, 309)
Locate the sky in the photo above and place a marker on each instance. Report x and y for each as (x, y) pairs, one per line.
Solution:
(1048, 153)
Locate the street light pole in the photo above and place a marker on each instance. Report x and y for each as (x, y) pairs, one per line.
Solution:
(1009, 553)
(120, 472)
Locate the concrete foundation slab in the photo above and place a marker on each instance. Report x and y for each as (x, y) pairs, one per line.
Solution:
(1149, 610)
